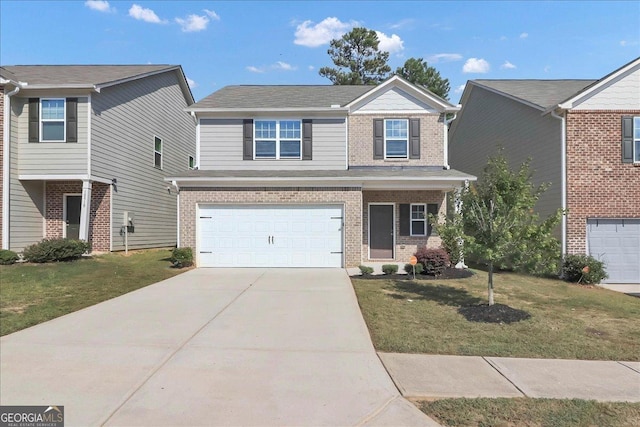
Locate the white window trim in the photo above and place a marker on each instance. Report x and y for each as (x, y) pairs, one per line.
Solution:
(191, 160)
(384, 134)
(64, 120)
(277, 138)
(411, 220)
(634, 152)
(158, 152)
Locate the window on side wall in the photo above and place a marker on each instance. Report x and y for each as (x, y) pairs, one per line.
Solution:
(636, 140)
(396, 138)
(157, 153)
(277, 139)
(192, 162)
(52, 120)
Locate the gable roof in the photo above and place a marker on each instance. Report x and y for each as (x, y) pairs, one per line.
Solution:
(86, 76)
(540, 94)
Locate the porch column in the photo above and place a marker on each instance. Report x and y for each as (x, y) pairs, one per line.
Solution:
(458, 210)
(85, 210)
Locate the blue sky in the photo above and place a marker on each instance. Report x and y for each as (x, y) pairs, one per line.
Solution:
(241, 42)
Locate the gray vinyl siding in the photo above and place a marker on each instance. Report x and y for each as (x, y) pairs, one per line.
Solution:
(26, 204)
(489, 121)
(125, 120)
(53, 158)
(221, 147)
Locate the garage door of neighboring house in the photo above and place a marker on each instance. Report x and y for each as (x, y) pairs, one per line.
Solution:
(270, 236)
(617, 243)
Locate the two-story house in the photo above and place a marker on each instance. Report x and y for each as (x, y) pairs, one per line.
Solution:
(316, 176)
(583, 137)
(85, 145)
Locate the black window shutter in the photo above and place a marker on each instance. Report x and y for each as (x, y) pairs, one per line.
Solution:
(72, 119)
(627, 140)
(414, 138)
(247, 146)
(405, 220)
(307, 140)
(378, 139)
(432, 209)
(34, 120)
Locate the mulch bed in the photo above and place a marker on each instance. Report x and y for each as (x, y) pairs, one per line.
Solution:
(449, 273)
(497, 313)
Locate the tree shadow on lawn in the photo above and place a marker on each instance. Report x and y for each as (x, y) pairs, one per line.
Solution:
(441, 294)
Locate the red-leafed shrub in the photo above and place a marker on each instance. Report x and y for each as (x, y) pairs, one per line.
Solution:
(434, 260)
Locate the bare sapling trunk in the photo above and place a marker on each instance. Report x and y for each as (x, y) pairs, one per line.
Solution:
(491, 283)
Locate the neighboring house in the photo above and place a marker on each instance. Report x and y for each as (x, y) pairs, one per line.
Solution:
(83, 144)
(315, 176)
(583, 137)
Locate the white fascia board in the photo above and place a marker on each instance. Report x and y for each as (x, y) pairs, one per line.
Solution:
(51, 177)
(232, 111)
(69, 86)
(313, 181)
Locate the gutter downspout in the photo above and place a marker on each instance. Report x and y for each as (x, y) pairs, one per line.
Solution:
(563, 171)
(446, 139)
(6, 166)
(175, 184)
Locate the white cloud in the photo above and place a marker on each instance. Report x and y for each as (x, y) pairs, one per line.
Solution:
(524, 35)
(625, 43)
(99, 5)
(402, 24)
(444, 57)
(311, 67)
(143, 14)
(547, 68)
(508, 66)
(212, 14)
(475, 65)
(310, 35)
(393, 44)
(255, 69)
(459, 89)
(283, 66)
(503, 38)
(192, 83)
(193, 23)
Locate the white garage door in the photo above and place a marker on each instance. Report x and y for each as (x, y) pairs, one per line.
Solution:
(617, 243)
(270, 236)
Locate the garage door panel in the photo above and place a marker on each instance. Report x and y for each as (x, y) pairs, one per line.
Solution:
(616, 242)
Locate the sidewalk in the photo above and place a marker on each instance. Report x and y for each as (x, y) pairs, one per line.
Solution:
(435, 376)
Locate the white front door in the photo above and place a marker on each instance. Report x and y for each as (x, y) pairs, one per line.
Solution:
(270, 236)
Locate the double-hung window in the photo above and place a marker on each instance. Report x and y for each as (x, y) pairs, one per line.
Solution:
(157, 152)
(192, 162)
(418, 219)
(52, 120)
(277, 139)
(636, 140)
(396, 138)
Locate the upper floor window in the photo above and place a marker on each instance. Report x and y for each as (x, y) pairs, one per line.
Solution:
(52, 120)
(396, 138)
(636, 140)
(631, 139)
(157, 153)
(192, 162)
(277, 139)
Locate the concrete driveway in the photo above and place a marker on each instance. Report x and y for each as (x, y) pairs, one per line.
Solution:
(210, 347)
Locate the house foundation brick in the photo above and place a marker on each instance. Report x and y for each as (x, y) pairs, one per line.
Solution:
(599, 185)
(350, 198)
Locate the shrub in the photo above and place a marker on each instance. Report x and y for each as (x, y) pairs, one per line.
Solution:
(583, 269)
(409, 268)
(54, 250)
(390, 268)
(365, 271)
(8, 257)
(182, 257)
(434, 261)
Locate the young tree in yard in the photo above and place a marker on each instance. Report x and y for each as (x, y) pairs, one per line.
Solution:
(418, 72)
(357, 58)
(499, 226)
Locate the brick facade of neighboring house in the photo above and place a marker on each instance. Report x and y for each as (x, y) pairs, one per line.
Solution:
(361, 140)
(599, 185)
(99, 220)
(1, 157)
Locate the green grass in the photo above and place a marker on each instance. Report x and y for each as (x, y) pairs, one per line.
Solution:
(567, 321)
(526, 412)
(34, 293)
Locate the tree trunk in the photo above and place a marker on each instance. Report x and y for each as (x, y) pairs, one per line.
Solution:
(491, 283)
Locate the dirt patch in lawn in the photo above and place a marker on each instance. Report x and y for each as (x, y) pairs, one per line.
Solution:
(449, 273)
(497, 313)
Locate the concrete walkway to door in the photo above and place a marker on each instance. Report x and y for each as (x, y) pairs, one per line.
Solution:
(210, 347)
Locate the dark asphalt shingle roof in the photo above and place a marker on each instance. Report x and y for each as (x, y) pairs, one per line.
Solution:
(285, 96)
(78, 74)
(543, 93)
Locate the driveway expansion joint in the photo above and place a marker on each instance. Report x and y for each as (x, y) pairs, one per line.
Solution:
(629, 367)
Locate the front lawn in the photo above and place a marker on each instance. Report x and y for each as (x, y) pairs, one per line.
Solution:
(34, 293)
(567, 321)
(528, 412)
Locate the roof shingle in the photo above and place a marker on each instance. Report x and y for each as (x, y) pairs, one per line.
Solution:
(543, 93)
(55, 75)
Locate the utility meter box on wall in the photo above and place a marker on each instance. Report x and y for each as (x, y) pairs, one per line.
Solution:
(127, 221)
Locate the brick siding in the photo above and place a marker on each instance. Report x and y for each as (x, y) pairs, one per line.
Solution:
(1, 157)
(599, 185)
(361, 140)
(405, 245)
(99, 222)
(350, 197)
